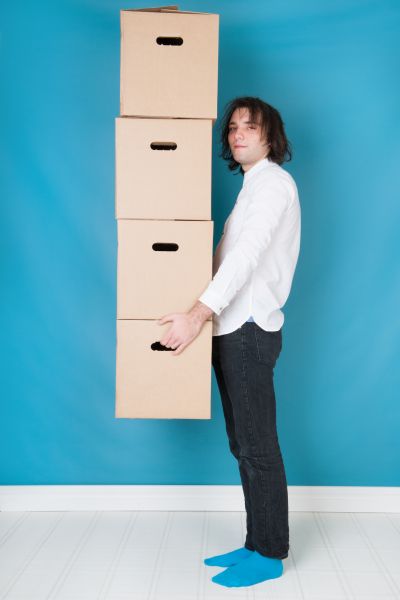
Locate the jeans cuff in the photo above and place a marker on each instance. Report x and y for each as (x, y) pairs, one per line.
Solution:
(249, 546)
(268, 555)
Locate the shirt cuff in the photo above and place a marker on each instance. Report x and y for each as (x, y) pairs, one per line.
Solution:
(213, 301)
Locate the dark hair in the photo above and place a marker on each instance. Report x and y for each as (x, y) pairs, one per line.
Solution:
(272, 129)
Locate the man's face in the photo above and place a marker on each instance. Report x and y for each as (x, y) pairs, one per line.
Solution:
(244, 139)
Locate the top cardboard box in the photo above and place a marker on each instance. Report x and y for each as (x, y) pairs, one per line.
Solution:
(169, 63)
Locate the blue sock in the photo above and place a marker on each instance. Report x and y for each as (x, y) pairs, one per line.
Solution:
(229, 559)
(254, 569)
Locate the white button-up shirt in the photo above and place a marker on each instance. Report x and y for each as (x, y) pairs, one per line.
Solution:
(255, 260)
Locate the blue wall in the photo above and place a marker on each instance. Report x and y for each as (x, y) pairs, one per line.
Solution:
(331, 69)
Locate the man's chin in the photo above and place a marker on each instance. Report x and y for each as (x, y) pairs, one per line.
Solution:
(240, 158)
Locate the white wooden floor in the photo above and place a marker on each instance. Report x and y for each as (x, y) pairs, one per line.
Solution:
(158, 556)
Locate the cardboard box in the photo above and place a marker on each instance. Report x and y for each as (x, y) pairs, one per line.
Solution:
(163, 168)
(169, 63)
(153, 383)
(163, 266)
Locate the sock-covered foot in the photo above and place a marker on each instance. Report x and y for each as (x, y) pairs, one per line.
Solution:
(254, 569)
(229, 559)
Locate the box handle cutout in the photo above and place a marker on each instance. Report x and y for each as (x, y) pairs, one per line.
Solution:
(165, 247)
(163, 146)
(158, 346)
(169, 41)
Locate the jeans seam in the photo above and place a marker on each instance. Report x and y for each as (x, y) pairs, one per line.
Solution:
(253, 445)
(245, 390)
(258, 349)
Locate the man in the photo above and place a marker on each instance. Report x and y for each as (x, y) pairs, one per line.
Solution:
(253, 269)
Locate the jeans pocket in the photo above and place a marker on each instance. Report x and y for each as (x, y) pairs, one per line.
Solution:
(268, 344)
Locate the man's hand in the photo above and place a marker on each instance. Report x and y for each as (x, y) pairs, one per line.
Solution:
(185, 327)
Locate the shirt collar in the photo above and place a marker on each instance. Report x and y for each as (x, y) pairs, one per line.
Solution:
(259, 166)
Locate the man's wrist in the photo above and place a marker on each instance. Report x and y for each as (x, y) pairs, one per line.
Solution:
(200, 312)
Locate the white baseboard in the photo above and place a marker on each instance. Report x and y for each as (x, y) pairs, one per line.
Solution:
(190, 498)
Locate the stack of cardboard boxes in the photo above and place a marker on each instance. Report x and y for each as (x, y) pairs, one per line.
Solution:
(169, 73)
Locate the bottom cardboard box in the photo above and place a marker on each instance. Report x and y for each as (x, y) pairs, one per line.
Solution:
(152, 383)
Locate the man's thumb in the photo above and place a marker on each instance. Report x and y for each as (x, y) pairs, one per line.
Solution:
(164, 319)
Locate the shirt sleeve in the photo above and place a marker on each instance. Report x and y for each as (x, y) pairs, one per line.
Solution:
(268, 202)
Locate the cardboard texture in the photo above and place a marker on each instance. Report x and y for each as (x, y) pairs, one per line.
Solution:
(169, 64)
(155, 384)
(163, 266)
(163, 168)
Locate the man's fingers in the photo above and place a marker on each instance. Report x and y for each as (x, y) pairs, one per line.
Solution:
(167, 336)
(169, 340)
(179, 350)
(172, 343)
(164, 340)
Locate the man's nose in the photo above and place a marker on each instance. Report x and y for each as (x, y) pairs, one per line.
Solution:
(238, 134)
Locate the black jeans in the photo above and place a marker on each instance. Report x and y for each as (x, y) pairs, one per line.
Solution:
(243, 363)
